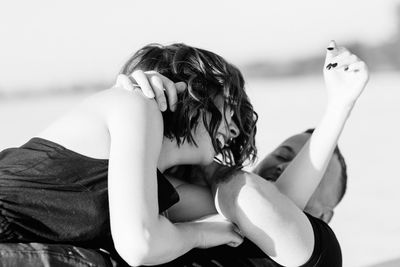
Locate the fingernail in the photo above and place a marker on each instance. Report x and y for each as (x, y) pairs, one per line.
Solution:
(163, 106)
(332, 45)
(181, 85)
(346, 68)
(331, 65)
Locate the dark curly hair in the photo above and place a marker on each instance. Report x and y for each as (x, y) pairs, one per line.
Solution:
(207, 76)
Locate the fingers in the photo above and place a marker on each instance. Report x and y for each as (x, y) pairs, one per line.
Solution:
(124, 82)
(158, 89)
(346, 62)
(339, 58)
(335, 53)
(141, 78)
(343, 61)
(351, 64)
(331, 52)
(171, 92)
(235, 244)
(357, 66)
(237, 238)
(180, 87)
(120, 79)
(171, 89)
(153, 85)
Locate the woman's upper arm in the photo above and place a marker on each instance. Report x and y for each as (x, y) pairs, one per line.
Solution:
(136, 132)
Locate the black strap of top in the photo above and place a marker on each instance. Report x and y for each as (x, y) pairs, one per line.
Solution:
(167, 195)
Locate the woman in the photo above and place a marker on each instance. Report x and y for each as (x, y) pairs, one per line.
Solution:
(139, 234)
(240, 198)
(104, 160)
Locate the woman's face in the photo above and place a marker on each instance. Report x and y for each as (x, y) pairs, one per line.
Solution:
(227, 130)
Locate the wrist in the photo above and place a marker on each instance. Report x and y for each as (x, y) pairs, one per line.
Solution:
(340, 106)
(192, 233)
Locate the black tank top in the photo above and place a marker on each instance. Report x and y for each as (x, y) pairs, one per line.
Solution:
(52, 194)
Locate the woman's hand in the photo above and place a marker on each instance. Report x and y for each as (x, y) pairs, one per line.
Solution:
(216, 230)
(345, 75)
(153, 85)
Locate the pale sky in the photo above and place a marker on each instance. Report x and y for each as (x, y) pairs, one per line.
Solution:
(57, 43)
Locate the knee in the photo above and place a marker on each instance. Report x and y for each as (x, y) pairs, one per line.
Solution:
(241, 182)
(242, 188)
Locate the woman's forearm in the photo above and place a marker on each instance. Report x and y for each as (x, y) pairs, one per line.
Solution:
(162, 242)
(302, 176)
(172, 241)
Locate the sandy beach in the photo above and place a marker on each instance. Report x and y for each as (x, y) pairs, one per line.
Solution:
(367, 221)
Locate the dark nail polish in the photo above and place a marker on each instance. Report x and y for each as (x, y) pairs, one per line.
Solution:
(334, 65)
(330, 48)
(346, 68)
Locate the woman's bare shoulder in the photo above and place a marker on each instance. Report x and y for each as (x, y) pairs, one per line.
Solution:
(117, 99)
(93, 117)
(117, 105)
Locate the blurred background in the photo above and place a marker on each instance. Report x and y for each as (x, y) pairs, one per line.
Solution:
(54, 53)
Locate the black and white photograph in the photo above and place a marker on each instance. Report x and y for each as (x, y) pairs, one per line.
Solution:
(199, 133)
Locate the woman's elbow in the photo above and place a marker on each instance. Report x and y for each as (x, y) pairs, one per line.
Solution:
(134, 251)
(143, 249)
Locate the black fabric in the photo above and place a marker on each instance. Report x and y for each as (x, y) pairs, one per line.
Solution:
(50, 194)
(55, 255)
